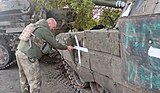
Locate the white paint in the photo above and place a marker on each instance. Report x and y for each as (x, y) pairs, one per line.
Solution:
(154, 52)
(79, 49)
(120, 4)
(128, 10)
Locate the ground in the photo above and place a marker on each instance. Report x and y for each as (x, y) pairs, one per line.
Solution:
(51, 83)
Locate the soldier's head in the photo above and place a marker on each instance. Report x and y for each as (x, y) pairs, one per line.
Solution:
(52, 23)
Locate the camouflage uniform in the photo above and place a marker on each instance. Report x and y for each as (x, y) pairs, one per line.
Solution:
(29, 73)
(27, 58)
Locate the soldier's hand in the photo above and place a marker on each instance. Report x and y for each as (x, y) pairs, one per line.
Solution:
(70, 48)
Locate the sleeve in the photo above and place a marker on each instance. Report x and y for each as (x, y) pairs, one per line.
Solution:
(51, 39)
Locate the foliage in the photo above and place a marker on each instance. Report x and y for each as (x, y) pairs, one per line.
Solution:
(84, 12)
(109, 17)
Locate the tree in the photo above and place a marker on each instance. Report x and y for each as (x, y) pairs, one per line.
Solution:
(84, 12)
(109, 17)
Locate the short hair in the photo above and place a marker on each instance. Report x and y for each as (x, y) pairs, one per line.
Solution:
(52, 20)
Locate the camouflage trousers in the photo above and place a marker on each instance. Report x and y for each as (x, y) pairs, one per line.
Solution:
(29, 73)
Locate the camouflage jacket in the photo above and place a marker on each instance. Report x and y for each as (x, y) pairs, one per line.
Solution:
(44, 33)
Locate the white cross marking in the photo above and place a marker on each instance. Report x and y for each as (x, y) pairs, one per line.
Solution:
(79, 49)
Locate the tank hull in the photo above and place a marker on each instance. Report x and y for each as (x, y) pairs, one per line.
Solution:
(120, 61)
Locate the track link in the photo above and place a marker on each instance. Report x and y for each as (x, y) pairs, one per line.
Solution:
(8, 65)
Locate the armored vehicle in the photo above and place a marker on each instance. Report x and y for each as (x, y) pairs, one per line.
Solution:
(15, 15)
(124, 59)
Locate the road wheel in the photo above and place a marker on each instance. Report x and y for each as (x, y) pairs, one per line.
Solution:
(6, 56)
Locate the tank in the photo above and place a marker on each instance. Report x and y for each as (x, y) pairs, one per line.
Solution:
(15, 15)
(124, 59)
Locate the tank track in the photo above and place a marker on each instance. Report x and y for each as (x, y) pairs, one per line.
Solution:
(8, 65)
(63, 75)
(74, 78)
(66, 75)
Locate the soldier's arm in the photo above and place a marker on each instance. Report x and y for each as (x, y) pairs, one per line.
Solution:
(51, 39)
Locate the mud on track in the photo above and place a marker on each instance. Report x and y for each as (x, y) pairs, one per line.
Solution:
(52, 82)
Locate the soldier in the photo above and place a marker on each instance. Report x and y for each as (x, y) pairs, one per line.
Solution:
(27, 55)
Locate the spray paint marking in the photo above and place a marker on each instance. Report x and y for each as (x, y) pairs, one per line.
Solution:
(154, 52)
(142, 58)
(120, 4)
(79, 49)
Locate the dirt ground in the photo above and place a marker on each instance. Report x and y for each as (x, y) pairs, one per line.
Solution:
(9, 80)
